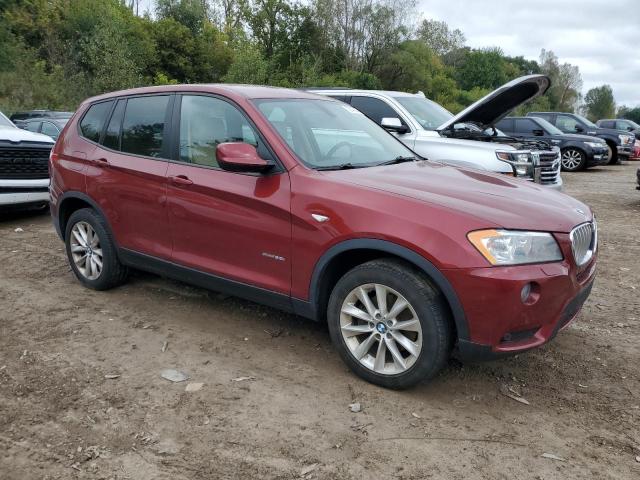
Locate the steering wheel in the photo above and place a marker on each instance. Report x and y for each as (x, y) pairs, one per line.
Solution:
(337, 147)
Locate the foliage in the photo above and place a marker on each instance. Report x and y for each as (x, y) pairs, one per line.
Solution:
(599, 103)
(629, 113)
(55, 53)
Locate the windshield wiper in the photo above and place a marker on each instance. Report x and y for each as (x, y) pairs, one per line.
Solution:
(342, 166)
(398, 159)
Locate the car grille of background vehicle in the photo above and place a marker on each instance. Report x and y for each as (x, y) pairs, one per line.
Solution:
(24, 163)
(549, 167)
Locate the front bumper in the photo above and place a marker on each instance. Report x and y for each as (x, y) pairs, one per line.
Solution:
(597, 156)
(21, 192)
(625, 150)
(499, 323)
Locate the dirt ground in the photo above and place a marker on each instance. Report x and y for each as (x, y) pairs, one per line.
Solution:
(61, 417)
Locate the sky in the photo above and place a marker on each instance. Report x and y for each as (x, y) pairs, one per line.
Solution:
(601, 37)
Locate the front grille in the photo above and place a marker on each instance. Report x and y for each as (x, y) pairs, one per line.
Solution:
(584, 241)
(24, 163)
(549, 167)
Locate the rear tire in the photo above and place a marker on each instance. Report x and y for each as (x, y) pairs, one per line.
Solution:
(573, 159)
(383, 341)
(92, 252)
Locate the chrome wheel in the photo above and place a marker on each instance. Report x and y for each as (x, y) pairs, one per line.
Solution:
(571, 159)
(86, 250)
(381, 329)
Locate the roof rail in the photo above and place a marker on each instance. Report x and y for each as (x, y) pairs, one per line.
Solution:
(324, 88)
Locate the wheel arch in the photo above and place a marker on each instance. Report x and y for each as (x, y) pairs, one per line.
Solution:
(340, 258)
(70, 202)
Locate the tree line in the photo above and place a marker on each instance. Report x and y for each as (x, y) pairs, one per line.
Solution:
(55, 53)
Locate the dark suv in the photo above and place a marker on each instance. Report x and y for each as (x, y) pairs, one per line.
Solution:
(578, 151)
(620, 142)
(303, 203)
(621, 124)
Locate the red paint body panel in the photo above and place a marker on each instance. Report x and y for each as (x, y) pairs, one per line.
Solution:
(259, 229)
(232, 225)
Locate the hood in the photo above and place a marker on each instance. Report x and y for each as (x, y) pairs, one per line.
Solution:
(581, 138)
(462, 143)
(502, 101)
(17, 135)
(497, 200)
(606, 131)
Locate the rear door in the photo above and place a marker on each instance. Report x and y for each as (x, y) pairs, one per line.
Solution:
(234, 225)
(126, 173)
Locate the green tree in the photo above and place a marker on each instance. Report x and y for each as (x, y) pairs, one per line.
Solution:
(484, 68)
(599, 103)
(439, 37)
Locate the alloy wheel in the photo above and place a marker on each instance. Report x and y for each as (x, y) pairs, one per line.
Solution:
(86, 250)
(571, 159)
(381, 329)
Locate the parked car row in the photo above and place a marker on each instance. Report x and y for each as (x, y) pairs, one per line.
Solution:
(303, 203)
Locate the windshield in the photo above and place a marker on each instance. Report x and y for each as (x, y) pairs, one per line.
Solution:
(588, 123)
(428, 114)
(5, 122)
(549, 127)
(327, 134)
(632, 123)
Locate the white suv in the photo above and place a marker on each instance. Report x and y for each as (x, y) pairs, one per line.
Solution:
(24, 165)
(468, 139)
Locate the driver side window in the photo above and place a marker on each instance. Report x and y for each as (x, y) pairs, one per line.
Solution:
(206, 122)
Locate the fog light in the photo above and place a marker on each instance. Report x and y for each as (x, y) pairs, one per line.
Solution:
(525, 292)
(530, 293)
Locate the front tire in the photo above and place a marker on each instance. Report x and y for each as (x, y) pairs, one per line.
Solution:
(573, 160)
(389, 324)
(91, 251)
(613, 154)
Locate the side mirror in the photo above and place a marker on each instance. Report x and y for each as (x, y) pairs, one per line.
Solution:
(579, 128)
(394, 124)
(240, 157)
(630, 129)
(538, 132)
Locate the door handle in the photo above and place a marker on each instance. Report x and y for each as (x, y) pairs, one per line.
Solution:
(100, 162)
(181, 180)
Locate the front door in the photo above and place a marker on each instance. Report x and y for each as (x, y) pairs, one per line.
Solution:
(233, 225)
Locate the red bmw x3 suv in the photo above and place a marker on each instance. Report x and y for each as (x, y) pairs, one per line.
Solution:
(302, 203)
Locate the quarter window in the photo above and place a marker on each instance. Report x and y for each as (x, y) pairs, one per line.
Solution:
(143, 125)
(205, 123)
(93, 122)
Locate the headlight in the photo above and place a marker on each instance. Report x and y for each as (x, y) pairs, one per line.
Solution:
(513, 247)
(521, 162)
(624, 139)
(595, 144)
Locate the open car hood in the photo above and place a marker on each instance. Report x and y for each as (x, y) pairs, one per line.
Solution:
(502, 101)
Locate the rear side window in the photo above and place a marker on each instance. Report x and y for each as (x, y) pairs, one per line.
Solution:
(93, 121)
(112, 135)
(607, 124)
(375, 109)
(506, 125)
(143, 125)
(32, 126)
(526, 126)
(50, 129)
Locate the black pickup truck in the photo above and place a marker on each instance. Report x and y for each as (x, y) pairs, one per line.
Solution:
(578, 151)
(620, 142)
